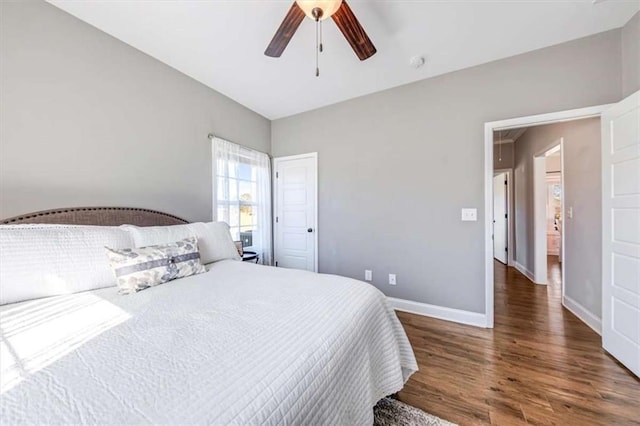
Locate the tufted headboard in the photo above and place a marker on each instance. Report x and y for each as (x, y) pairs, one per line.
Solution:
(104, 216)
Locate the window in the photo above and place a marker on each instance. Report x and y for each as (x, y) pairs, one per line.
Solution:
(242, 195)
(237, 201)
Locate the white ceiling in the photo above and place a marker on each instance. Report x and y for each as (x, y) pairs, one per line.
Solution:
(221, 43)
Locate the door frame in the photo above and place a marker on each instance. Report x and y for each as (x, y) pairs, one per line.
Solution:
(274, 169)
(540, 212)
(510, 213)
(514, 123)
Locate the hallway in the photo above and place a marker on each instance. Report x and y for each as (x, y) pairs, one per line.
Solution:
(539, 365)
(554, 272)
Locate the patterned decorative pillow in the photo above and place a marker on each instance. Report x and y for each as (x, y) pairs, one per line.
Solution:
(139, 268)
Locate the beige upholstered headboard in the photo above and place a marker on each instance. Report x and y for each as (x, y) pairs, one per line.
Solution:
(104, 216)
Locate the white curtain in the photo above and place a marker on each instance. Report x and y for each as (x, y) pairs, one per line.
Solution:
(242, 195)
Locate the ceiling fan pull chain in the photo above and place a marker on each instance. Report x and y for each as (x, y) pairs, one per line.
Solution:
(321, 37)
(317, 49)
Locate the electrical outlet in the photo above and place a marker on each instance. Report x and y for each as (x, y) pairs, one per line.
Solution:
(392, 279)
(368, 275)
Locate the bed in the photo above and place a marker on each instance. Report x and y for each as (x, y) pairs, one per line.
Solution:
(240, 344)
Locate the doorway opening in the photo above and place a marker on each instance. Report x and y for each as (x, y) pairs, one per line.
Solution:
(538, 231)
(503, 205)
(532, 250)
(600, 212)
(501, 215)
(554, 215)
(548, 214)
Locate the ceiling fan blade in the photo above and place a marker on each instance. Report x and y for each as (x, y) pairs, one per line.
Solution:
(286, 30)
(353, 32)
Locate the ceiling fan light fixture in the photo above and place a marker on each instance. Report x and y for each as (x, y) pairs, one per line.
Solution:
(328, 7)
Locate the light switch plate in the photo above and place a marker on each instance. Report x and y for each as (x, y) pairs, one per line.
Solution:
(368, 275)
(469, 215)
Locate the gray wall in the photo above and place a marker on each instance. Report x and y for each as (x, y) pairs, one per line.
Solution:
(630, 35)
(582, 188)
(396, 167)
(88, 120)
(506, 155)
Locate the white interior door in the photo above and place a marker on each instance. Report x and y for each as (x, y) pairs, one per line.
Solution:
(500, 217)
(296, 233)
(621, 232)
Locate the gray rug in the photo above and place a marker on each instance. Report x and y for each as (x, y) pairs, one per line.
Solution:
(391, 412)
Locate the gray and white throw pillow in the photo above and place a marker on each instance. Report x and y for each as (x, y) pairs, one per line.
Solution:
(143, 267)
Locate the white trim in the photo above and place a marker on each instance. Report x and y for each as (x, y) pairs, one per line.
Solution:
(539, 220)
(297, 156)
(440, 312)
(583, 314)
(552, 117)
(313, 155)
(488, 224)
(510, 215)
(524, 271)
(563, 221)
(513, 123)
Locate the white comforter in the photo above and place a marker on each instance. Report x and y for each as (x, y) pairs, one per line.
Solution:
(241, 344)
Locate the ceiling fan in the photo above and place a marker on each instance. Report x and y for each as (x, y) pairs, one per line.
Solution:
(319, 10)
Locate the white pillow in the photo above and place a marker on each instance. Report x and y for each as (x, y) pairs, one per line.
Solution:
(214, 239)
(48, 260)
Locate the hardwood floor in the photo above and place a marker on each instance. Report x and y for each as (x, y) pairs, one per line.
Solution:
(539, 365)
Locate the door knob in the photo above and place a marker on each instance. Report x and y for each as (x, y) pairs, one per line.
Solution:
(309, 229)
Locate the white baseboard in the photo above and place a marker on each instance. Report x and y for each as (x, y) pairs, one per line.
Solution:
(440, 312)
(524, 271)
(583, 314)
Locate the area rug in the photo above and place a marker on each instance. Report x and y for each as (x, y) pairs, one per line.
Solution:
(391, 412)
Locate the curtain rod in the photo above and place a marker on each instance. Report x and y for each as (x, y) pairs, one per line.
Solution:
(211, 136)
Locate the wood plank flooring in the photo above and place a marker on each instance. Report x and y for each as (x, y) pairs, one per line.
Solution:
(539, 365)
